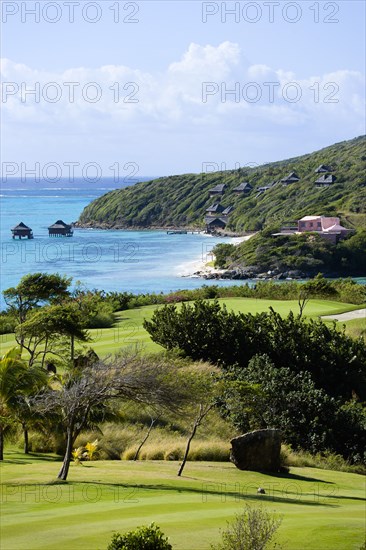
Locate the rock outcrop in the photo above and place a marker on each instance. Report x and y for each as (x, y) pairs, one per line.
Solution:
(258, 450)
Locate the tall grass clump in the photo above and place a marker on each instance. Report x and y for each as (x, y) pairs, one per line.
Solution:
(324, 461)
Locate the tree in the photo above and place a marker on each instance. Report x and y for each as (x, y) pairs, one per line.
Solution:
(223, 253)
(95, 308)
(83, 392)
(205, 390)
(17, 382)
(47, 329)
(352, 252)
(154, 419)
(35, 289)
(288, 401)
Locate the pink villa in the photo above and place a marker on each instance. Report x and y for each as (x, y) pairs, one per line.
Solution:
(328, 227)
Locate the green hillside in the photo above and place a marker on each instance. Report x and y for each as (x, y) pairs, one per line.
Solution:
(181, 200)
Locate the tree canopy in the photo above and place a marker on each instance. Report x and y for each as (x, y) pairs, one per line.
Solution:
(35, 289)
(204, 330)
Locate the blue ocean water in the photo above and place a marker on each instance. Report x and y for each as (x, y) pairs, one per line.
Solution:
(134, 261)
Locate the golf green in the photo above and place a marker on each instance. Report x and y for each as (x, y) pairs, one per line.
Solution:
(320, 509)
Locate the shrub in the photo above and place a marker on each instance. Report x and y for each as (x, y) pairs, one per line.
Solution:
(104, 318)
(208, 332)
(7, 323)
(174, 453)
(142, 538)
(286, 400)
(254, 529)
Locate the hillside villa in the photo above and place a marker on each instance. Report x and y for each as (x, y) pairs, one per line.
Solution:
(322, 224)
(328, 227)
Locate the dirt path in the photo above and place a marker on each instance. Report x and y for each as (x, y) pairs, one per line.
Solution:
(348, 316)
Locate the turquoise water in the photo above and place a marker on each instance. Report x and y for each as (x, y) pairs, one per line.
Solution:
(135, 261)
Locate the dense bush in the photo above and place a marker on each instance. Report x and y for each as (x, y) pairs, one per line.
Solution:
(309, 381)
(142, 538)
(253, 529)
(223, 253)
(96, 308)
(288, 401)
(343, 290)
(172, 448)
(7, 323)
(306, 252)
(102, 318)
(203, 330)
(307, 417)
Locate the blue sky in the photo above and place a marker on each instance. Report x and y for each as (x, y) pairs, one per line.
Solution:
(172, 85)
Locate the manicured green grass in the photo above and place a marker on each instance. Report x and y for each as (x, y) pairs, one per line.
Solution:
(129, 331)
(321, 509)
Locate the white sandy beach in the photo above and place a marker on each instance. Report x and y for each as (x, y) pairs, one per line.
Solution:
(189, 269)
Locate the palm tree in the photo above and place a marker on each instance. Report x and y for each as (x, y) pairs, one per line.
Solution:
(17, 381)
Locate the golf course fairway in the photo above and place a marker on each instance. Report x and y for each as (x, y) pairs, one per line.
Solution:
(129, 330)
(320, 509)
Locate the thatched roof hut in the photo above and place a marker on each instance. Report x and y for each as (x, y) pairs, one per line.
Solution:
(21, 230)
(60, 229)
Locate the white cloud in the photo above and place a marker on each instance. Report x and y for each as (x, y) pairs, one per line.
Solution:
(133, 102)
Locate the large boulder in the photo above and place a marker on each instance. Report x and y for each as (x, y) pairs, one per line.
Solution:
(258, 450)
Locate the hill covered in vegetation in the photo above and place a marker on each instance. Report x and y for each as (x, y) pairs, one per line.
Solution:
(182, 200)
(303, 254)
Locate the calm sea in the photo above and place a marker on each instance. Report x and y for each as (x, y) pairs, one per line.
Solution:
(135, 261)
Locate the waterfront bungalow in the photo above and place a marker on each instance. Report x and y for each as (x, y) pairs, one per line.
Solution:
(291, 178)
(60, 229)
(213, 223)
(243, 189)
(323, 169)
(21, 230)
(218, 190)
(325, 181)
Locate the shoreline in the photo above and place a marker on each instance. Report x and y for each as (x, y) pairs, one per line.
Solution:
(199, 269)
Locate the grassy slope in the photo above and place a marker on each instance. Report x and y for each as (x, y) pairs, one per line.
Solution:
(321, 509)
(186, 196)
(129, 330)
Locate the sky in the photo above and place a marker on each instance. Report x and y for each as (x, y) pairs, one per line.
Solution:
(111, 88)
